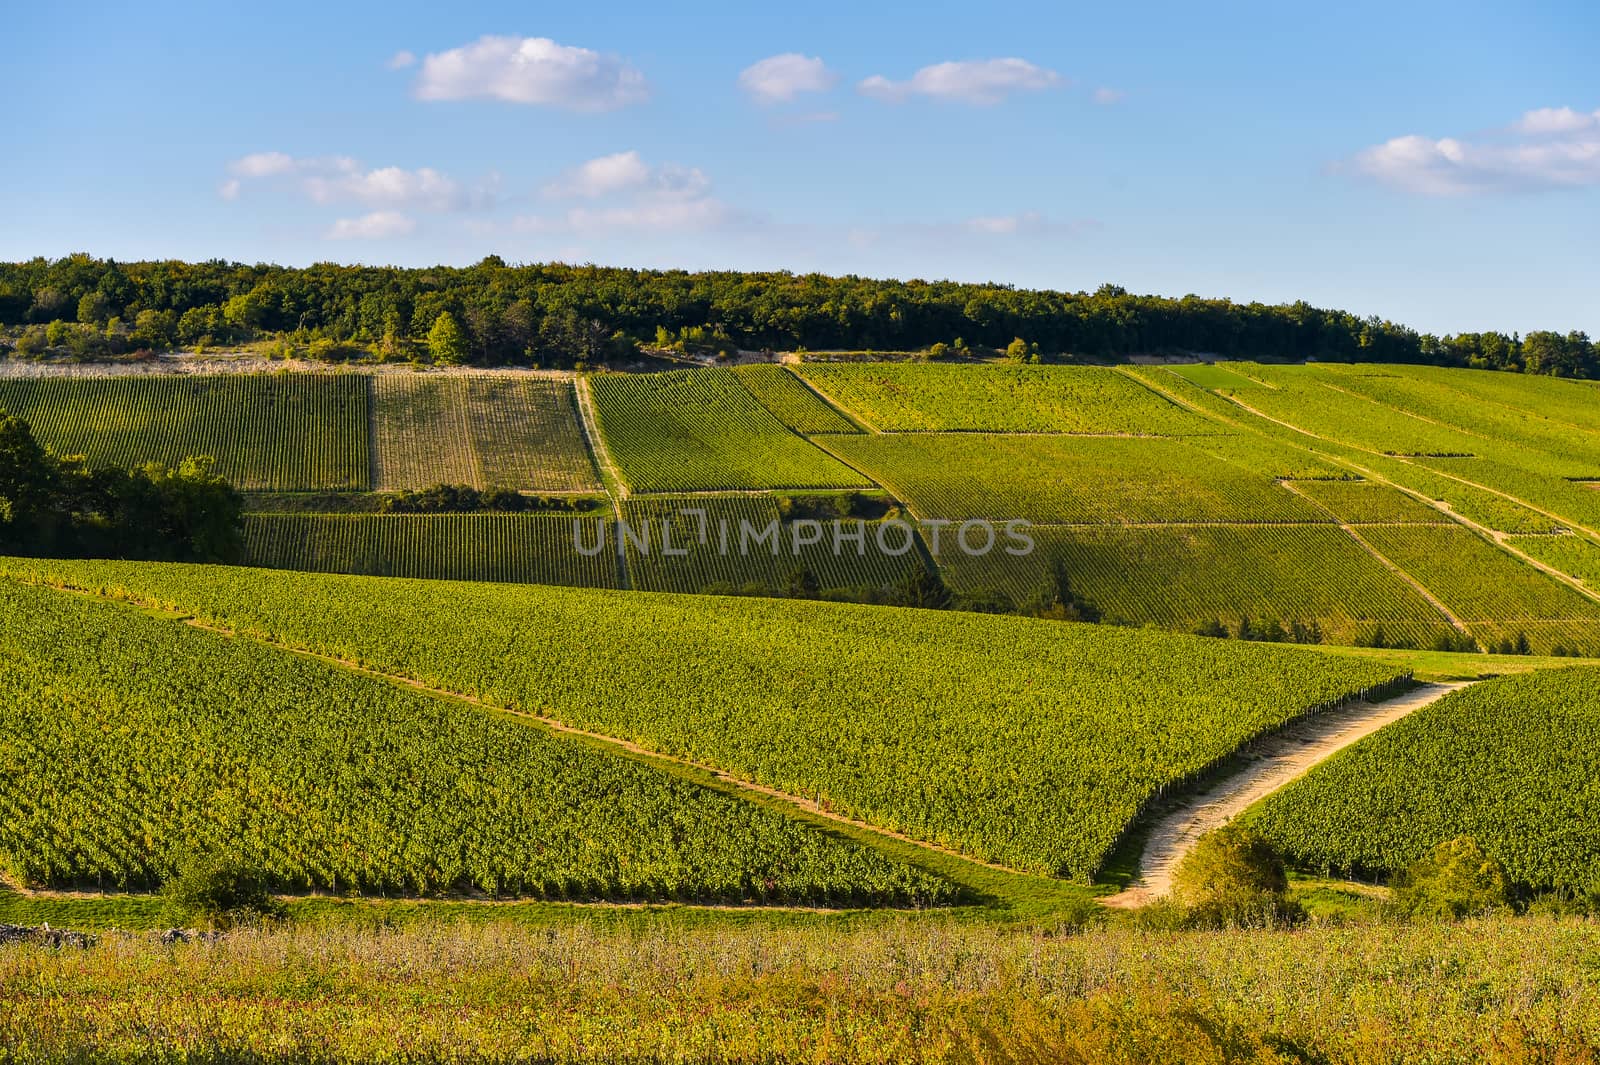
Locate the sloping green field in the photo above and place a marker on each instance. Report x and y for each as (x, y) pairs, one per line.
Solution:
(515, 548)
(1497, 596)
(1069, 480)
(1029, 743)
(720, 544)
(908, 397)
(267, 431)
(792, 401)
(1189, 577)
(135, 744)
(701, 430)
(1513, 763)
(1177, 496)
(515, 432)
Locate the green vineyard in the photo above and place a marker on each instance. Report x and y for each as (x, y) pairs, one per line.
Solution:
(701, 430)
(515, 432)
(1497, 596)
(134, 744)
(1069, 480)
(1514, 763)
(514, 548)
(726, 548)
(864, 709)
(1184, 496)
(1363, 503)
(266, 431)
(910, 397)
(792, 402)
(1573, 555)
(1189, 578)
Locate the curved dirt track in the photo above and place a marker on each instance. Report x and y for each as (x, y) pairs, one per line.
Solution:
(1272, 762)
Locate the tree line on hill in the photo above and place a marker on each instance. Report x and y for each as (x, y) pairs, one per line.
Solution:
(58, 507)
(555, 314)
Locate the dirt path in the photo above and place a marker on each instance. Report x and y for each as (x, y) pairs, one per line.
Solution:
(1273, 762)
(589, 422)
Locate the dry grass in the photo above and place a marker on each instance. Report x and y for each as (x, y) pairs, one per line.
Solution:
(913, 990)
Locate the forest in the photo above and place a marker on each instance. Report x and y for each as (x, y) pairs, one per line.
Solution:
(557, 315)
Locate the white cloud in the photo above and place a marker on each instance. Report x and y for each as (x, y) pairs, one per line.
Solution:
(780, 78)
(263, 164)
(375, 226)
(341, 179)
(389, 186)
(1545, 149)
(629, 194)
(973, 81)
(626, 172)
(1556, 120)
(1002, 225)
(401, 59)
(1105, 96)
(531, 70)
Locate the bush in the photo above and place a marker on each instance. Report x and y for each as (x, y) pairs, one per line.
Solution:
(219, 893)
(325, 349)
(1234, 877)
(1457, 880)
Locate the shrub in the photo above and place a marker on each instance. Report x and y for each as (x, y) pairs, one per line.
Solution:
(1234, 877)
(1456, 880)
(216, 892)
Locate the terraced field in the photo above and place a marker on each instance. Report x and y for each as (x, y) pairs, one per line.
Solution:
(792, 402)
(1513, 763)
(911, 397)
(1365, 503)
(266, 431)
(133, 744)
(1573, 555)
(864, 709)
(1327, 408)
(1474, 503)
(726, 548)
(1523, 433)
(515, 548)
(1555, 404)
(1141, 479)
(1069, 480)
(1186, 578)
(701, 430)
(1559, 500)
(1497, 596)
(1270, 457)
(515, 432)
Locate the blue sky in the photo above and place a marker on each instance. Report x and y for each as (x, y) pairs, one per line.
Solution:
(1438, 164)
